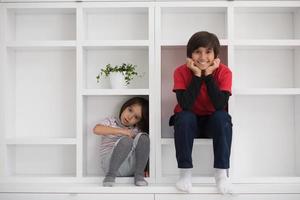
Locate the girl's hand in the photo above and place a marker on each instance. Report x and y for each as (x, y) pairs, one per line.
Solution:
(128, 132)
(191, 65)
(213, 67)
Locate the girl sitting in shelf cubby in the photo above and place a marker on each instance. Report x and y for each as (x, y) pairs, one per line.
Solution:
(125, 142)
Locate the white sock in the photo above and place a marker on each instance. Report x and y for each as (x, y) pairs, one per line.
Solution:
(185, 180)
(223, 183)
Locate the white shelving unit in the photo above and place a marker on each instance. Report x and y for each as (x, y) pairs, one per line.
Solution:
(51, 53)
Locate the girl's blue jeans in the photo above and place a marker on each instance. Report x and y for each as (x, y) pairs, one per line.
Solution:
(188, 126)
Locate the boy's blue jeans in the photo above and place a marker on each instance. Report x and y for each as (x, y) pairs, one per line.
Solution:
(217, 126)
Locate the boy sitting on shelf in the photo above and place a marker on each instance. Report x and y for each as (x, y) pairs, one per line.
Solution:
(202, 87)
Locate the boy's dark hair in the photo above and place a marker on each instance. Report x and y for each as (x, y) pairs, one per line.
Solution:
(203, 39)
(143, 124)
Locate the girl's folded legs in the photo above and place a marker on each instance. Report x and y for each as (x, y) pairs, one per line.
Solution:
(120, 152)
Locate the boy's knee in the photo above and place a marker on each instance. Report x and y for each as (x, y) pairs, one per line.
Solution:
(185, 117)
(220, 116)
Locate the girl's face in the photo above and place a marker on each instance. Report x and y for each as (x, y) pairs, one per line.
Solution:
(204, 57)
(131, 115)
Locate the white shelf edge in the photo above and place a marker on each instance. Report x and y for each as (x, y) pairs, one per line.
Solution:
(223, 42)
(79, 100)
(197, 141)
(99, 92)
(270, 4)
(168, 179)
(21, 4)
(266, 91)
(266, 180)
(187, 4)
(68, 179)
(288, 43)
(37, 141)
(56, 43)
(94, 4)
(151, 189)
(130, 43)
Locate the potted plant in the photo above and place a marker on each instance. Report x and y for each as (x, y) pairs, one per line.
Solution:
(120, 75)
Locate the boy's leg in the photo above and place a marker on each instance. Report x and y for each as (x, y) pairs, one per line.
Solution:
(119, 154)
(221, 128)
(185, 129)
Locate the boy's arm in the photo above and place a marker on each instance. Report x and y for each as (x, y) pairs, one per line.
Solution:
(186, 98)
(219, 98)
(107, 130)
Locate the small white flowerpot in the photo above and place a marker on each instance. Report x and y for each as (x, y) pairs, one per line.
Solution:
(117, 80)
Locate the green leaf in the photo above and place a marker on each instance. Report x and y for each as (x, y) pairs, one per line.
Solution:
(128, 70)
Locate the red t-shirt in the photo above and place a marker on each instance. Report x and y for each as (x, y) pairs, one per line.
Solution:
(203, 105)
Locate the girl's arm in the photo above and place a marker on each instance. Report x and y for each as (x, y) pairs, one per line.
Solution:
(106, 130)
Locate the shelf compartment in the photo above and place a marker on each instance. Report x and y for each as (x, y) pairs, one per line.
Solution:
(24, 24)
(128, 23)
(267, 67)
(95, 109)
(41, 160)
(40, 95)
(172, 57)
(267, 23)
(95, 58)
(192, 20)
(202, 161)
(267, 136)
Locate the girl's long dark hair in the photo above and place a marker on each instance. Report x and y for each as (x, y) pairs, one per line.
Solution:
(143, 124)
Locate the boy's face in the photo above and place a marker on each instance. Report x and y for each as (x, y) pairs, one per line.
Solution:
(204, 57)
(131, 115)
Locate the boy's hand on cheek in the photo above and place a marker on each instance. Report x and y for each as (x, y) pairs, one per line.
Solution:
(213, 67)
(191, 65)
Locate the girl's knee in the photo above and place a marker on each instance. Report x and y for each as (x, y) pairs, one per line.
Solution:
(144, 138)
(125, 141)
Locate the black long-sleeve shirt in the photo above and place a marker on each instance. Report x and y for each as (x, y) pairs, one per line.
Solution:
(186, 98)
